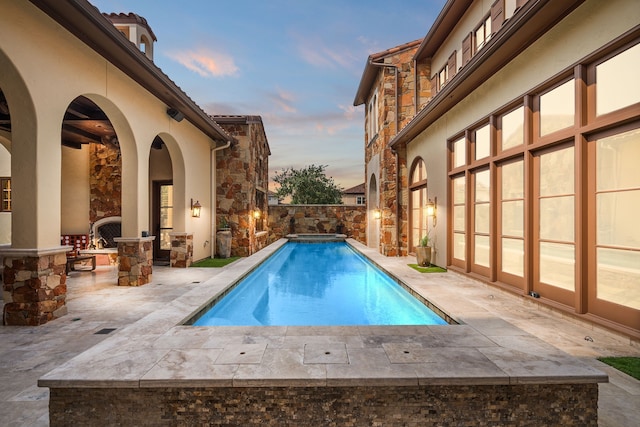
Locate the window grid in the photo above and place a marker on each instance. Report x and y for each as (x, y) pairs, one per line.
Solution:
(567, 127)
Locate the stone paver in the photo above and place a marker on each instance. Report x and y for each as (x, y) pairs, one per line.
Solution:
(97, 305)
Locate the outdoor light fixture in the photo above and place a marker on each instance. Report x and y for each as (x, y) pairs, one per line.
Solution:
(377, 214)
(431, 209)
(175, 114)
(257, 214)
(195, 209)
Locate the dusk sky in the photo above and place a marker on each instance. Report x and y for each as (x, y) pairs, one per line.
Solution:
(296, 63)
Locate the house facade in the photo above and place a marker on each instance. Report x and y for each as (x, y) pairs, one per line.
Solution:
(519, 159)
(94, 133)
(354, 195)
(242, 183)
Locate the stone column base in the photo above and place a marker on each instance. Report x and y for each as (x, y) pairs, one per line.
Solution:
(135, 256)
(181, 250)
(34, 285)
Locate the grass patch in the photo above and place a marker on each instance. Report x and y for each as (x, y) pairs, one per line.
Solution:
(430, 269)
(215, 262)
(628, 365)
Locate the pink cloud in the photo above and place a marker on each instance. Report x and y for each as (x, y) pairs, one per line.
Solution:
(205, 62)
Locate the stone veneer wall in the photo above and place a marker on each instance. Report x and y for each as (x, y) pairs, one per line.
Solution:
(34, 289)
(181, 250)
(242, 176)
(317, 219)
(105, 182)
(393, 224)
(135, 256)
(413, 406)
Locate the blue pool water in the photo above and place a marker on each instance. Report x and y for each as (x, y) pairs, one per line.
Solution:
(313, 284)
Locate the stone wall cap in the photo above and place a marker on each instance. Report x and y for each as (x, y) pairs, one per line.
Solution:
(8, 251)
(181, 233)
(134, 239)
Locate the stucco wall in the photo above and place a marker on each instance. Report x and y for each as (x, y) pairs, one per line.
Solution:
(581, 33)
(42, 71)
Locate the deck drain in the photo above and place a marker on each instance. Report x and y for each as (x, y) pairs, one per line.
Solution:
(327, 352)
(105, 331)
(196, 281)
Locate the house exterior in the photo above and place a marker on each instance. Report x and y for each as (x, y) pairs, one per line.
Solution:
(519, 155)
(354, 195)
(242, 177)
(92, 130)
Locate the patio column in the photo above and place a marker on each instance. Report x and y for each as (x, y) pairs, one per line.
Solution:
(35, 286)
(135, 256)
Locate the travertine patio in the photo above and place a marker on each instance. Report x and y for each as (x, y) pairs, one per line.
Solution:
(492, 348)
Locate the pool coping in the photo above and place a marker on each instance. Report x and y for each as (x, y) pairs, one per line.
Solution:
(159, 351)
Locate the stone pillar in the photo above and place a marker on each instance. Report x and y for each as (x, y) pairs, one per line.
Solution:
(181, 250)
(34, 286)
(135, 256)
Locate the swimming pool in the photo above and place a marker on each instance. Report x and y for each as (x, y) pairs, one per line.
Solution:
(318, 284)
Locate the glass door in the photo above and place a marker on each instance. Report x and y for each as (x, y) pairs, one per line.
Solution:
(162, 219)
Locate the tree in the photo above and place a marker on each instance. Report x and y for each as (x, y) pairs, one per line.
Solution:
(308, 186)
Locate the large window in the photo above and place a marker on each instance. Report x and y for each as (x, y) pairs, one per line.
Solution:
(617, 200)
(5, 184)
(556, 208)
(459, 218)
(557, 108)
(511, 129)
(482, 218)
(512, 217)
(372, 115)
(418, 189)
(482, 34)
(618, 83)
(545, 191)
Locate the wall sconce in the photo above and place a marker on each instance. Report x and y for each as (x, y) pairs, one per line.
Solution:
(432, 209)
(195, 209)
(377, 214)
(257, 214)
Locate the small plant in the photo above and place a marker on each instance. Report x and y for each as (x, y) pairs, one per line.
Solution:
(424, 241)
(224, 224)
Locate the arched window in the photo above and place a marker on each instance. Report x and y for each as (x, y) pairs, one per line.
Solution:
(418, 202)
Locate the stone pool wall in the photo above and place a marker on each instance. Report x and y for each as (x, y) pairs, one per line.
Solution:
(302, 219)
(442, 405)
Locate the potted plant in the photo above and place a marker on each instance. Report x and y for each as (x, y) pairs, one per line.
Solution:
(223, 238)
(423, 251)
(223, 224)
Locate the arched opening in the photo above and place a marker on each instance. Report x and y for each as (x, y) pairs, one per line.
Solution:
(91, 175)
(373, 232)
(417, 202)
(162, 200)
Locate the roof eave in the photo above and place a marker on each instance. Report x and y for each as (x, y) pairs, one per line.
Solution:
(502, 48)
(447, 19)
(86, 22)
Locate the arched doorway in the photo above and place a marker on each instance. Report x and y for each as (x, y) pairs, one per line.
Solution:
(162, 200)
(417, 202)
(373, 232)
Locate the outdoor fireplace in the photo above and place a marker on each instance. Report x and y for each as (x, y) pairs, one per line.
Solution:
(104, 232)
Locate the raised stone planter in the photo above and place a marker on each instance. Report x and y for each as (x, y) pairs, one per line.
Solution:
(135, 256)
(34, 286)
(181, 250)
